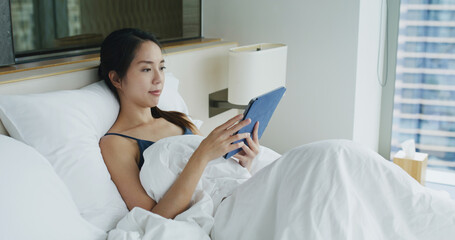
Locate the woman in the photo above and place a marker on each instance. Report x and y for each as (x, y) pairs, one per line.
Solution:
(323, 190)
(132, 65)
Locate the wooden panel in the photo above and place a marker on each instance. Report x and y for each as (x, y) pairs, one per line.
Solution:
(94, 57)
(201, 69)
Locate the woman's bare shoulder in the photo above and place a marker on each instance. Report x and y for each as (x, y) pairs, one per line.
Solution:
(117, 148)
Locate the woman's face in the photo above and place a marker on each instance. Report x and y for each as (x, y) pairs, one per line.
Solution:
(144, 79)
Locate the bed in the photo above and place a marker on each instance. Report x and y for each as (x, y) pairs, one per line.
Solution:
(55, 185)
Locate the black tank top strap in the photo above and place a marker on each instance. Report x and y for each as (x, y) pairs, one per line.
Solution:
(122, 135)
(144, 144)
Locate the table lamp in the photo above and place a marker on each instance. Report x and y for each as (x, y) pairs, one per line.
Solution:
(253, 70)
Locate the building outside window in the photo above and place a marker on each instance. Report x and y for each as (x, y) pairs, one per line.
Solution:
(424, 104)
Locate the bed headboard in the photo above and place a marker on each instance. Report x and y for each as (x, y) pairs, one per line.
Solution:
(201, 69)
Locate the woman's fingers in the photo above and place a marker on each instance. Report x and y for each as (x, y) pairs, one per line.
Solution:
(223, 139)
(239, 126)
(256, 133)
(248, 148)
(233, 125)
(253, 146)
(236, 137)
(235, 146)
(243, 161)
(245, 157)
(229, 123)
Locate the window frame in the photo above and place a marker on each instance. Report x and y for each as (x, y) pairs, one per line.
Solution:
(388, 91)
(71, 51)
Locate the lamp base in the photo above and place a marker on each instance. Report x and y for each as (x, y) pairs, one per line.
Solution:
(218, 103)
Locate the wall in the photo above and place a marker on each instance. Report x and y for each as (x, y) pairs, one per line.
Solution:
(322, 39)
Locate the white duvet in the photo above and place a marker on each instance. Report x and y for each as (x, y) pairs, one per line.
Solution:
(326, 190)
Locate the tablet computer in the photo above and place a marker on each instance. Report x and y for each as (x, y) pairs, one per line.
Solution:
(260, 109)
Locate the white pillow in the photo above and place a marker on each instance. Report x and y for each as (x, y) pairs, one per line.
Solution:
(35, 203)
(65, 126)
(170, 99)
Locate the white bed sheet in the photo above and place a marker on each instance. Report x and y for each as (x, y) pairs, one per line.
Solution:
(164, 161)
(325, 190)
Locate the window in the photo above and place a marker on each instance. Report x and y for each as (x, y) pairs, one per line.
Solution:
(50, 26)
(424, 105)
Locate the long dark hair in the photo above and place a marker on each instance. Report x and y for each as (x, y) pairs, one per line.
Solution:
(117, 52)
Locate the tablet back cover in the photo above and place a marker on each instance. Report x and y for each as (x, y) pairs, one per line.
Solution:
(260, 110)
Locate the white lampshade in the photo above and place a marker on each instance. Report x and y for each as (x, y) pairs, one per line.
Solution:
(255, 70)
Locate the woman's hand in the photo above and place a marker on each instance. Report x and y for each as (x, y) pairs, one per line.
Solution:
(219, 141)
(250, 151)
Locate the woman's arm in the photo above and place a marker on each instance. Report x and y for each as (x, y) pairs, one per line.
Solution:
(215, 145)
(125, 174)
(120, 156)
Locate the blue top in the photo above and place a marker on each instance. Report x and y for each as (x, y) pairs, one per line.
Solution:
(144, 144)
